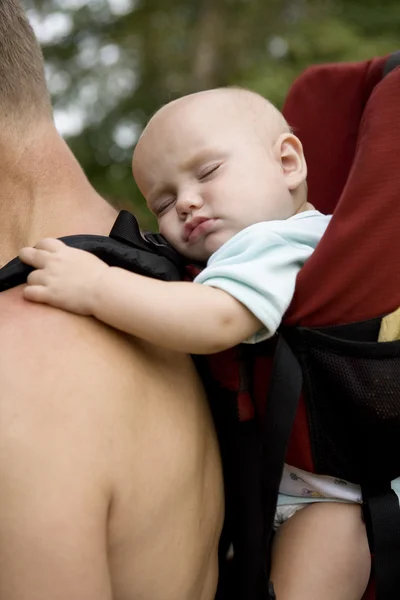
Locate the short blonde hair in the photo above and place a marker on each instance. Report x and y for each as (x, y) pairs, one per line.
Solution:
(23, 89)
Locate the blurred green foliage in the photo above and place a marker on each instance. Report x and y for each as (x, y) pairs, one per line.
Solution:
(112, 63)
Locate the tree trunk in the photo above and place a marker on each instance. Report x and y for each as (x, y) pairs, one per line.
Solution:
(208, 46)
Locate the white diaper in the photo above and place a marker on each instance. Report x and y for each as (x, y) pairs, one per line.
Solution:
(299, 488)
(284, 512)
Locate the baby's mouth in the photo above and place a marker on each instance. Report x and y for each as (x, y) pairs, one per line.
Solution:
(197, 228)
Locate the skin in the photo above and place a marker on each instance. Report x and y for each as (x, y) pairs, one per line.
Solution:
(322, 552)
(111, 484)
(226, 156)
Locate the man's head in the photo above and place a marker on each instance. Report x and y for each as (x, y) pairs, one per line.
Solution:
(24, 97)
(212, 163)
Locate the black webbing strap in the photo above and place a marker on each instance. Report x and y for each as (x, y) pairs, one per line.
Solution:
(126, 247)
(382, 515)
(280, 412)
(126, 229)
(248, 541)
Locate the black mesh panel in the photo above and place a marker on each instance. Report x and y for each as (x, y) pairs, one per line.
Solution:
(352, 393)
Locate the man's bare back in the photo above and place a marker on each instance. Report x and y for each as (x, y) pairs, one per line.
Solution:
(111, 481)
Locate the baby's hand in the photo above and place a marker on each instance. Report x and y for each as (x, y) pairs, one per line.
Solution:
(64, 277)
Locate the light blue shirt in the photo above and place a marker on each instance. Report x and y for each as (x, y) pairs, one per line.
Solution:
(259, 265)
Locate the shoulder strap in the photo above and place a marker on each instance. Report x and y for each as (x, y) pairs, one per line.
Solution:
(382, 517)
(126, 230)
(280, 412)
(126, 247)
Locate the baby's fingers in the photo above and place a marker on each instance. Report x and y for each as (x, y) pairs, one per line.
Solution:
(36, 277)
(35, 258)
(37, 293)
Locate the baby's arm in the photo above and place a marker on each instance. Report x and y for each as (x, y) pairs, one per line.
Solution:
(183, 316)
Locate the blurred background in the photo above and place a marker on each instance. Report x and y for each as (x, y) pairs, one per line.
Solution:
(112, 63)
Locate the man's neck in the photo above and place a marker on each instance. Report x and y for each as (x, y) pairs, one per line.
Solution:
(44, 193)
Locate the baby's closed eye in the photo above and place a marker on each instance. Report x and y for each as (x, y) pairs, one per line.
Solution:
(207, 171)
(163, 204)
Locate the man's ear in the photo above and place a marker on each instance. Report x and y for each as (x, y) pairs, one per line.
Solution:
(291, 156)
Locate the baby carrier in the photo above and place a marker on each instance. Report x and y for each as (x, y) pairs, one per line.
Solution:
(323, 395)
(351, 382)
(329, 401)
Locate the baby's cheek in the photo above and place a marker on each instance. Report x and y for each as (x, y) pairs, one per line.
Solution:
(169, 231)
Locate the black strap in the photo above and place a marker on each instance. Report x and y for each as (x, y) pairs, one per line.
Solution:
(280, 412)
(392, 62)
(382, 516)
(125, 247)
(126, 229)
(245, 453)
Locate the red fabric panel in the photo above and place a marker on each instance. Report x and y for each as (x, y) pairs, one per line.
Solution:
(354, 274)
(325, 106)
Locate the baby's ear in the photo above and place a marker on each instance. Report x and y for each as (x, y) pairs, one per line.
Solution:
(291, 156)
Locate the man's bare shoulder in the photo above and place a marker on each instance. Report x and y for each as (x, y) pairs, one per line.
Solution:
(57, 367)
(38, 335)
(48, 353)
(71, 372)
(67, 382)
(19, 317)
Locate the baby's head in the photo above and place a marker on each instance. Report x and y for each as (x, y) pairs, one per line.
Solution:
(212, 163)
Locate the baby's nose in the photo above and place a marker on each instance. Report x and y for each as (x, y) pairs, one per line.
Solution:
(187, 202)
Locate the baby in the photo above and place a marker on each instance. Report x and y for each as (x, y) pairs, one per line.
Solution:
(226, 180)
